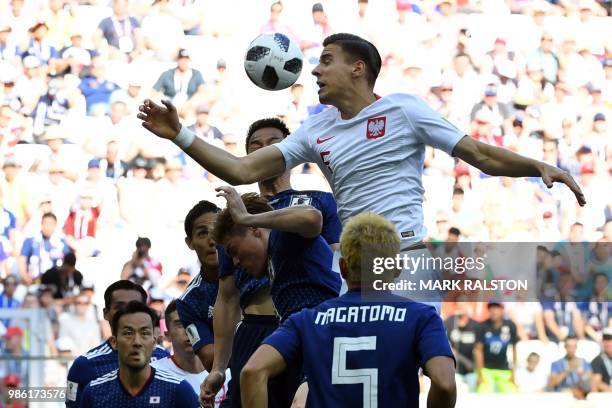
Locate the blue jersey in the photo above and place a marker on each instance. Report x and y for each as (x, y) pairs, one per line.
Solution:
(359, 353)
(162, 390)
(195, 309)
(322, 201)
(95, 363)
(300, 270)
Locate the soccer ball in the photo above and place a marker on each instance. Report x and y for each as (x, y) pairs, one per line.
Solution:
(273, 62)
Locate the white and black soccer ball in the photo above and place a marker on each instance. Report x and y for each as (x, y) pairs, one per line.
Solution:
(273, 61)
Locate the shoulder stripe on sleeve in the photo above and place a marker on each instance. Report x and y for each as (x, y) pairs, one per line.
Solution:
(100, 352)
(194, 284)
(105, 378)
(167, 377)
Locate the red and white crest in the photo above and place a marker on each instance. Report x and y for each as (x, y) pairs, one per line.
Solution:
(376, 127)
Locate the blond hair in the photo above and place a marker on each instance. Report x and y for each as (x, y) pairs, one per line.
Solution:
(364, 237)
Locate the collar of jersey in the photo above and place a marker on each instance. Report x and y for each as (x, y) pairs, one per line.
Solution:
(142, 389)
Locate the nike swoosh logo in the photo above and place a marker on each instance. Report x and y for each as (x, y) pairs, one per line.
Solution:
(319, 140)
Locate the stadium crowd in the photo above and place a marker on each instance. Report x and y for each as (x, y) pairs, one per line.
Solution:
(81, 180)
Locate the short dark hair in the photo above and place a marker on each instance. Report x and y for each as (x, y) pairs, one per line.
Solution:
(49, 215)
(202, 207)
(597, 274)
(69, 259)
(131, 308)
(356, 48)
(275, 123)
(224, 225)
(454, 231)
(143, 241)
(122, 285)
(169, 309)
(458, 191)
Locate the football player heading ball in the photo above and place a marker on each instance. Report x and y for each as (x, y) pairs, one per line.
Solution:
(370, 149)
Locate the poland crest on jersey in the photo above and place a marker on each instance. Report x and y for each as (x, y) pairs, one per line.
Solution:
(376, 127)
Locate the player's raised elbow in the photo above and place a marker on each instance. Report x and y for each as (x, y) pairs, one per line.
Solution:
(312, 222)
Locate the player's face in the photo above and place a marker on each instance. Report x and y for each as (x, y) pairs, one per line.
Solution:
(264, 137)
(119, 299)
(249, 251)
(178, 335)
(135, 340)
(333, 74)
(201, 240)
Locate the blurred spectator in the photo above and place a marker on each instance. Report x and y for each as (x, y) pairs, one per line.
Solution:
(181, 83)
(51, 108)
(64, 280)
(317, 31)
(97, 89)
(48, 306)
(44, 331)
(7, 297)
(462, 332)
(41, 48)
(58, 153)
(546, 58)
(13, 347)
(571, 371)
(120, 31)
(598, 310)
(8, 226)
(75, 56)
(531, 378)
(203, 129)
(142, 268)
(31, 85)
(79, 326)
(499, 113)
(177, 286)
(492, 341)
(602, 364)
(42, 251)
(81, 225)
(275, 23)
(111, 164)
(8, 49)
(561, 315)
(162, 30)
(60, 23)
(529, 320)
(133, 191)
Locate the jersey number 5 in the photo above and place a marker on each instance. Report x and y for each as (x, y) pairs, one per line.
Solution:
(366, 376)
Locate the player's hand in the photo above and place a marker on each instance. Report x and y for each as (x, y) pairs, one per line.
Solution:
(235, 205)
(211, 386)
(551, 174)
(158, 119)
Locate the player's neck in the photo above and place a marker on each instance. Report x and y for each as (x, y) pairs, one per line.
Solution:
(187, 362)
(210, 274)
(134, 380)
(269, 188)
(352, 103)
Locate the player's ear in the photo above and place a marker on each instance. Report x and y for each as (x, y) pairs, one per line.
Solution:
(113, 342)
(189, 243)
(106, 314)
(359, 69)
(343, 268)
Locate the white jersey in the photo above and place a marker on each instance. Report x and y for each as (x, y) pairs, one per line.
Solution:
(168, 364)
(374, 161)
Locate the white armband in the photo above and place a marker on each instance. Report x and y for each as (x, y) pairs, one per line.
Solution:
(184, 139)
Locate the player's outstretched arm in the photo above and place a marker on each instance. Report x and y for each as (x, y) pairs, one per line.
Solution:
(496, 161)
(443, 391)
(304, 220)
(265, 363)
(260, 165)
(227, 315)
